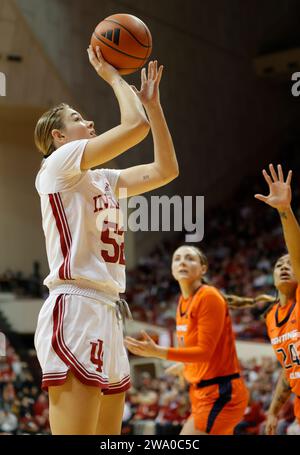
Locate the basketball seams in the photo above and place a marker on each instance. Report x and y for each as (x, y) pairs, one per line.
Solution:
(130, 33)
(117, 50)
(148, 38)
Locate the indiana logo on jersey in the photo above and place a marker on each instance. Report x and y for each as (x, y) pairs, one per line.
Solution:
(103, 202)
(97, 354)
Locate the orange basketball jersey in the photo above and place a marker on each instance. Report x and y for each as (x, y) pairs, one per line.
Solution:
(283, 324)
(203, 321)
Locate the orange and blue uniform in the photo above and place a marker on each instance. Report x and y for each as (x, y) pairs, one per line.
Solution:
(206, 346)
(283, 324)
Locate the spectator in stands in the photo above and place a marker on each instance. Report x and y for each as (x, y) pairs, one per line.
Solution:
(254, 415)
(8, 422)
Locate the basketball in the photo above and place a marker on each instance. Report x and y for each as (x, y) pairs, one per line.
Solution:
(125, 42)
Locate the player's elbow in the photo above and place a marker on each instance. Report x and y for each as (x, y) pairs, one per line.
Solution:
(171, 174)
(141, 128)
(175, 172)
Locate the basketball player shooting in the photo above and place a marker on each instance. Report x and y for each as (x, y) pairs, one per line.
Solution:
(79, 335)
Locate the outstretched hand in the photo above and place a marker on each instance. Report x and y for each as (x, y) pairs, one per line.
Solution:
(146, 348)
(280, 194)
(149, 92)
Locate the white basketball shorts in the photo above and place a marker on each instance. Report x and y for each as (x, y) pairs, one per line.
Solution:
(84, 335)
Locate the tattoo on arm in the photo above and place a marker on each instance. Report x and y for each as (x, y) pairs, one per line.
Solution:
(283, 215)
(146, 177)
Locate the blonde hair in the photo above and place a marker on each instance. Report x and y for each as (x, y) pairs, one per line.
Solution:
(50, 120)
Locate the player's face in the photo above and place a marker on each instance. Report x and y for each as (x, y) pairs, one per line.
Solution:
(284, 278)
(75, 127)
(186, 265)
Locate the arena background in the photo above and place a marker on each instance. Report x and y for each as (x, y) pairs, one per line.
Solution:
(226, 92)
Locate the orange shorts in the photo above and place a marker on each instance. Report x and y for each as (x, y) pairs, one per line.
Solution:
(218, 408)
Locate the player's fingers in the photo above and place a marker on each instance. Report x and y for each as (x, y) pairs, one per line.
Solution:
(280, 173)
(155, 69)
(91, 54)
(289, 178)
(143, 76)
(130, 339)
(132, 348)
(150, 70)
(131, 345)
(146, 336)
(133, 351)
(139, 350)
(134, 345)
(260, 197)
(273, 173)
(267, 177)
(159, 74)
(99, 54)
(128, 344)
(138, 343)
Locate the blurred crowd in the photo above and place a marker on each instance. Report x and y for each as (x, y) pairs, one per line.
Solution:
(20, 285)
(156, 406)
(23, 407)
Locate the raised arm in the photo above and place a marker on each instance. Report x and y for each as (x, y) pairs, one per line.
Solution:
(142, 178)
(133, 127)
(280, 198)
(281, 395)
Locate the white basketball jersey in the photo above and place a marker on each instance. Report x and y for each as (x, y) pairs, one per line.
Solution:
(80, 212)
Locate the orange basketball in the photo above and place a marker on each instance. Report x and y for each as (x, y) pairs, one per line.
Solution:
(125, 42)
